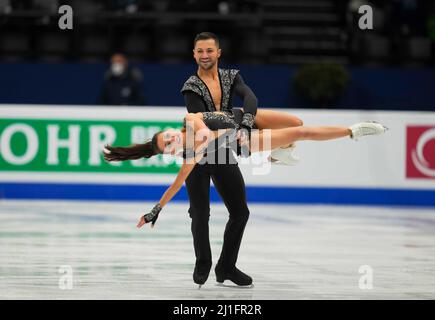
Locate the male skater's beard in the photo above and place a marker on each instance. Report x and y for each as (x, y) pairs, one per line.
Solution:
(207, 65)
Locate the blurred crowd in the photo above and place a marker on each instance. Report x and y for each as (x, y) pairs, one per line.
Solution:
(404, 31)
(251, 31)
(131, 6)
(119, 34)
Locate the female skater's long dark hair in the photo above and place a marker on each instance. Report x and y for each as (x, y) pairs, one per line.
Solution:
(133, 152)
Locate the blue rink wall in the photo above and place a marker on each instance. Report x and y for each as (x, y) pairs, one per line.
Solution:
(280, 195)
(80, 84)
(60, 158)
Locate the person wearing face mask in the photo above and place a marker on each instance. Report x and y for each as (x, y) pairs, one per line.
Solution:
(123, 85)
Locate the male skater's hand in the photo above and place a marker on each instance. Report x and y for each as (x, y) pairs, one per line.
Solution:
(150, 217)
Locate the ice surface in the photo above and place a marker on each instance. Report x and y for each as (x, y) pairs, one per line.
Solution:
(292, 252)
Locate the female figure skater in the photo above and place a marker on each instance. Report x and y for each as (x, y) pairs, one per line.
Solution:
(209, 126)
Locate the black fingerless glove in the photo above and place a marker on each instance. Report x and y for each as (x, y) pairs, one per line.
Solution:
(153, 214)
(248, 121)
(247, 124)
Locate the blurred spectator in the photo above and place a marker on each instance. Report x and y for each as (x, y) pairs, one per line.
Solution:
(123, 85)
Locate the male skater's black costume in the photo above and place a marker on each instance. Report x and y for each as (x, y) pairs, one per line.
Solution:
(227, 179)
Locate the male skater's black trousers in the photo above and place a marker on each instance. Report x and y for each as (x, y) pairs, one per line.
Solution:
(229, 183)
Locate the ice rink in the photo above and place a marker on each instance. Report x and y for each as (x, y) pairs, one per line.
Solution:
(92, 250)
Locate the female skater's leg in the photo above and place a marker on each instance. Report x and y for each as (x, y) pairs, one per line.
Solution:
(282, 137)
(279, 137)
(270, 119)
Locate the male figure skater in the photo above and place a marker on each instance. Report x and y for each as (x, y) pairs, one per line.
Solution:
(212, 89)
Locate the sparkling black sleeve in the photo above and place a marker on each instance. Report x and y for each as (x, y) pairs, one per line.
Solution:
(194, 103)
(250, 101)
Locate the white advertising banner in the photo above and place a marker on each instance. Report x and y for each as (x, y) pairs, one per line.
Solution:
(62, 144)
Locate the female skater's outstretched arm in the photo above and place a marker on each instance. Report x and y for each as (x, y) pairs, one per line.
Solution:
(202, 137)
(163, 142)
(173, 189)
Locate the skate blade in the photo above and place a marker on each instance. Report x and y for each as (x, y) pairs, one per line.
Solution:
(279, 163)
(386, 128)
(231, 284)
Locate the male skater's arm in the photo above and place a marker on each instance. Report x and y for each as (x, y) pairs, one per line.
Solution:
(194, 103)
(250, 101)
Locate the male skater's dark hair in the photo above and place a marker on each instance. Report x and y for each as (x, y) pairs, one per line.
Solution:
(206, 36)
(133, 152)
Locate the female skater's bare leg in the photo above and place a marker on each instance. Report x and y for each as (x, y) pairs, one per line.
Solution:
(280, 137)
(270, 119)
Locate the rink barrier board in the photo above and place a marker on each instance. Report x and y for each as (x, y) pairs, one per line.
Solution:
(373, 171)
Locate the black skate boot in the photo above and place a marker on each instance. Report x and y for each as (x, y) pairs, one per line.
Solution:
(234, 275)
(201, 272)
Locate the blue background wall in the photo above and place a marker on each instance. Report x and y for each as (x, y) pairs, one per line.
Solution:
(398, 89)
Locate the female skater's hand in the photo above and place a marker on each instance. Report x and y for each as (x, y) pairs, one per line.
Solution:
(150, 217)
(141, 222)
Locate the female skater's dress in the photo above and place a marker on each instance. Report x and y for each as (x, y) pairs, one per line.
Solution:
(230, 119)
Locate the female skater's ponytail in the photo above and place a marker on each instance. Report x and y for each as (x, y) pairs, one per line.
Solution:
(133, 152)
